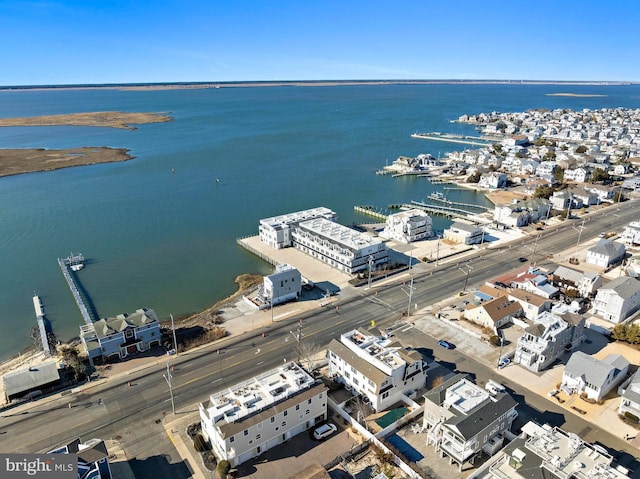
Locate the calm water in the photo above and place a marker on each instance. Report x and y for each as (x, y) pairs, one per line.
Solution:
(166, 241)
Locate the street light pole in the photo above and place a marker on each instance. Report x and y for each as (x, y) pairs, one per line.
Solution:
(168, 378)
(500, 353)
(173, 330)
(466, 279)
(579, 228)
(370, 266)
(271, 304)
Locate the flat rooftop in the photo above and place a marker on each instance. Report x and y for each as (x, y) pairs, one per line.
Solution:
(339, 233)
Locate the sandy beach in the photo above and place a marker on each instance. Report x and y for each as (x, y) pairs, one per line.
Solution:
(111, 119)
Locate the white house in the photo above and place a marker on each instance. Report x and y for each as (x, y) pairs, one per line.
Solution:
(378, 368)
(493, 180)
(339, 246)
(407, 226)
(462, 419)
(631, 233)
(618, 299)
(285, 284)
(276, 231)
(587, 375)
(548, 338)
(585, 283)
(546, 168)
(245, 420)
(630, 400)
(579, 175)
(464, 233)
(605, 253)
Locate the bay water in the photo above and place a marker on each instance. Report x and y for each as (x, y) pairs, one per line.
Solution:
(159, 231)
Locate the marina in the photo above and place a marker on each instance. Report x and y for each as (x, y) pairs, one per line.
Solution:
(436, 196)
(452, 138)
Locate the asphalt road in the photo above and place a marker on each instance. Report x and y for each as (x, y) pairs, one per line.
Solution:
(134, 414)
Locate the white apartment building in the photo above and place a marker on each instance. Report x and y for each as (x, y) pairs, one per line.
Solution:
(276, 231)
(243, 421)
(340, 247)
(407, 226)
(285, 284)
(550, 453)
(375, 367)
(464, 233)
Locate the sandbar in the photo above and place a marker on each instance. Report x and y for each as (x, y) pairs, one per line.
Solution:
(577, 95)
(111, 119)
(30, 160)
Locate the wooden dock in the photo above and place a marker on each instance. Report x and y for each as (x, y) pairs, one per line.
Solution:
(44, 340)
(447, 211)
(65, 267)
(369, 211)
(467, 140)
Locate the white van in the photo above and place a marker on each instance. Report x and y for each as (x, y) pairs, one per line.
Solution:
(493, 387)
(324, 431)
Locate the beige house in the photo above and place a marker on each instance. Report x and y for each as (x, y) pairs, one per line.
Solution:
(495, 313)
(532, 304)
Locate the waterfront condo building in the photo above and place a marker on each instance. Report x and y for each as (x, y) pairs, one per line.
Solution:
(377, 368)
(245, 420)
(276, 231)
(462, 419)
(120, 336)
(340, 247)
(407, 226)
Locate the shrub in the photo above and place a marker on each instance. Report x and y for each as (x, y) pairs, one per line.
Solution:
(223, 468)
(200, 444)
(631, 416)
(495, 340)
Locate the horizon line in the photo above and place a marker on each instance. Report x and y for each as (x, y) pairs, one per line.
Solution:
(320, 82)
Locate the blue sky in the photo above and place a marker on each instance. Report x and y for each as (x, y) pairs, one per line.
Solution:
(122, 41)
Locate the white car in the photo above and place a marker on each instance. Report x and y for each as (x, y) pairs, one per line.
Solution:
(493, 387)
(324, 431)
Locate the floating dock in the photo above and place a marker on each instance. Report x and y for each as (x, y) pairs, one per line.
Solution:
(369, 211)
(68, 265)
(442, 199)
(446, 211)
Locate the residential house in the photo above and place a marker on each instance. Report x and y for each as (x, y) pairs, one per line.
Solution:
(408, 226)
(377, 368)
(546, 168)
(631, 233)
(543, 452)
(462, 419)
(276, 231)
(532, 304)
(338, 246)
(603, 192)
(285, 284)
(563, 199)
(521, 213)
(618, 299)
(93, 458)
(493, 314)
(245, 420)
(605, 253)
(535, 281)
(631, 183)
(584, 197)
(464, 233)
(630, 400)
(493, 180)
(586, 283)
(592, 377)
(548, 338)
(122, 335)
(579, 175)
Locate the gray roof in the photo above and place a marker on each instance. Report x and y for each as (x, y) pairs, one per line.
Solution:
(438, 394)
(625, 286)
(568, 273)
(363, 366)
(608, 248)
(632, 392)
(29, 379)
(592, 370)
(464, 227)
(106, 327)
(482, 417)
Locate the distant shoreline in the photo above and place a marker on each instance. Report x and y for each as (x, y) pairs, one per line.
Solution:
(578, 95)
(303, 83)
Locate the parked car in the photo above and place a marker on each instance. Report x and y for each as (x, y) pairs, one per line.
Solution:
(324, 431)
(522, 259)
(446, 344)
(493, 387)
(503, 362)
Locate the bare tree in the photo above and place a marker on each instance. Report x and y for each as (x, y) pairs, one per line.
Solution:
(308, 352)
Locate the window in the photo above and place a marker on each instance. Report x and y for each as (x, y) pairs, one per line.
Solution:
(273, 419)
(284, 423)
(259, 426)
(258, 436)
(286, 412)
(307, 411)
(309, 401)
(245, 432)
(232, 439)
(297, 407)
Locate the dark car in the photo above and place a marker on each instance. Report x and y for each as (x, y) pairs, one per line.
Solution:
(446, 344)
(522, 259)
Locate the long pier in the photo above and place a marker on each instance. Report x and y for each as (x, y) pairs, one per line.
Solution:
(441, 210)
(368, 210)
(457, 203)
(467, 140)
(65, 268)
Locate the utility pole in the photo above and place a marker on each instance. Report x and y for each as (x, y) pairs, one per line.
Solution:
(173, 330)
(466, 279)
(500, 353)
(370, 266)
(298, 338)
(271, 304)
(168, 378)
(579, 228)
(438, 251)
